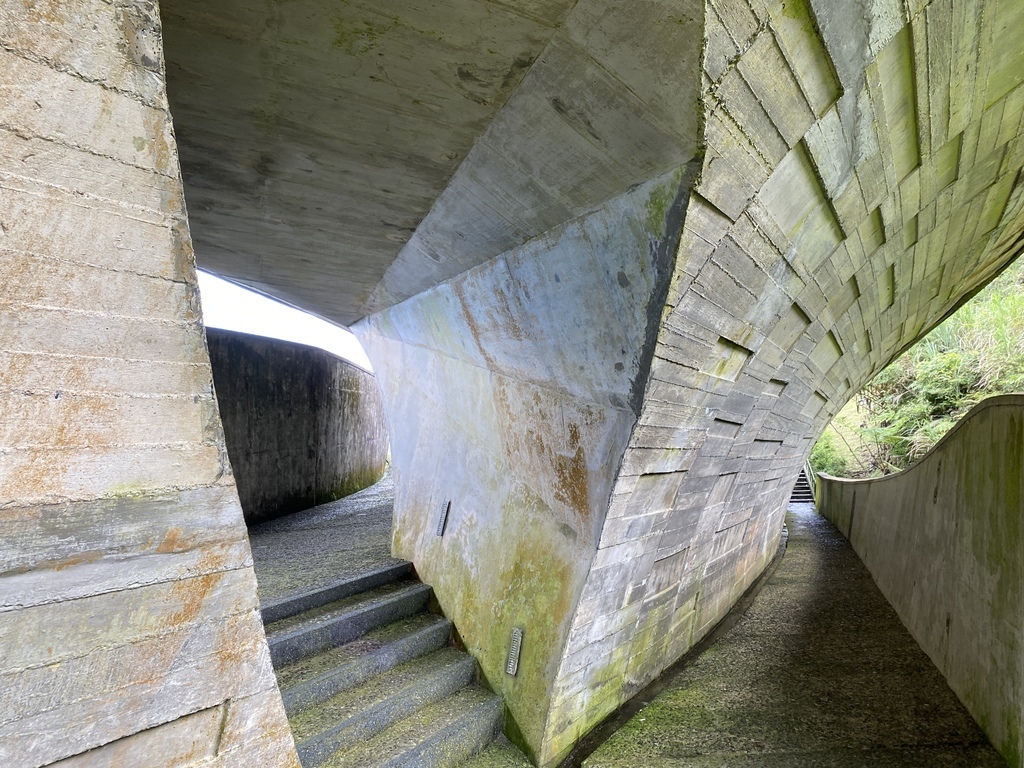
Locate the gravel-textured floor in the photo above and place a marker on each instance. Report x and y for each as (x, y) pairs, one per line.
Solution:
(324, 544)
(818, 672)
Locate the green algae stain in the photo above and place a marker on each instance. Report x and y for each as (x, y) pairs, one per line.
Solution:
(657, 210)
(357, 38)
(660, 202)
(128, 490)
(522, 574)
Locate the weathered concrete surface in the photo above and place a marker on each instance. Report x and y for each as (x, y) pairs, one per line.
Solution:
(617, 289)
(943, 542)
(128, 612)
(818, 671)
(332, 542)
(407, 133)
(302, 426)
(522, 444)
(854, 187)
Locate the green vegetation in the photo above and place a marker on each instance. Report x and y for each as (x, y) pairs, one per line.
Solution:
(909, 406)
(828, 455)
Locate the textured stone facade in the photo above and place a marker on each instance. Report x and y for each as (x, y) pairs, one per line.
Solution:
(858, 183)
(129, 627)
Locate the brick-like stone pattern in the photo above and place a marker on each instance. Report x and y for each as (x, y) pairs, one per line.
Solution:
(857, 182)
(303, 427)
(128, 612)
(845, 206)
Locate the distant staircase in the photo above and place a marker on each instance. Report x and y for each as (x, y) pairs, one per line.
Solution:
(802, 493)
(369, 678)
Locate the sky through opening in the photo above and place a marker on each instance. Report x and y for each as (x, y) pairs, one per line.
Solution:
(231, 307)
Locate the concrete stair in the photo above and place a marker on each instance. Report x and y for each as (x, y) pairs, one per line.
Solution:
(802, 493)
(498, 754)
(369, 678)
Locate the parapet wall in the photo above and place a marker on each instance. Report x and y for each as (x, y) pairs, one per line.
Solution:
(943, 542)
(302, 426)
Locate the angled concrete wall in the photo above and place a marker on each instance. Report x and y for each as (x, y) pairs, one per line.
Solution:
(943, 542)
(858, 179)
(523, 445)
(302, 426)
(128, 612)
(624, 261)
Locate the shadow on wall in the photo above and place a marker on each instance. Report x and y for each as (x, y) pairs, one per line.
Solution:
(944, 541)
(302, 426)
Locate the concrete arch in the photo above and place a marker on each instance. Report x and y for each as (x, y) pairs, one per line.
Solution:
(615, 264)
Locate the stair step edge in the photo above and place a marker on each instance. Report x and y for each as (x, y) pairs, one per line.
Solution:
(333, 629)
(500, 753)
(294, 604)
(384, 712)
(317, 687)
(467, 710)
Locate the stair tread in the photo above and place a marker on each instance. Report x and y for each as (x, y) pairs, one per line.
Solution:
(500, 753)
(373, 642)
(310, 596)
(334, 610)
(392, 746)
(392, 684)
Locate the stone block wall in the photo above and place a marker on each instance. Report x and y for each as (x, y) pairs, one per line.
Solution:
(302, 426)
(943, 541)
(129, 629)
(858, 180)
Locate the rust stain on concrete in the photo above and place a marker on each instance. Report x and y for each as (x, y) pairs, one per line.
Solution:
(573, 487)
(78, 559)
(173, 541)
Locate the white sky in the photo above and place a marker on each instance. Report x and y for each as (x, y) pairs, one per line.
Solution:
(231, 307)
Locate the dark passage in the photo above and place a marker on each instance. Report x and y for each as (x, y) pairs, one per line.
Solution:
(818, 672)
(344, 539)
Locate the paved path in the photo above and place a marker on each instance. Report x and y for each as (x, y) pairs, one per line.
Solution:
(324, 544)
(818, 673)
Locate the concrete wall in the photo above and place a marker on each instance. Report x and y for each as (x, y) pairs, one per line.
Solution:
(302, 426)
(858, 178)
(129, 627)
(619, 300)
(943, 541)
(512, 388)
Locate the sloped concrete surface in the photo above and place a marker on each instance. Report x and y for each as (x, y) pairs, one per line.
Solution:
(818, 672)
(326, 543)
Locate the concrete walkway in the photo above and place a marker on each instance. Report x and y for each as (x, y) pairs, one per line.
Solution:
(818, 673)
(328, 543)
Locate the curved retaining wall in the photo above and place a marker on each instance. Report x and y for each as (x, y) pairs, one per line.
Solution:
(303, 427)
(943, 542)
